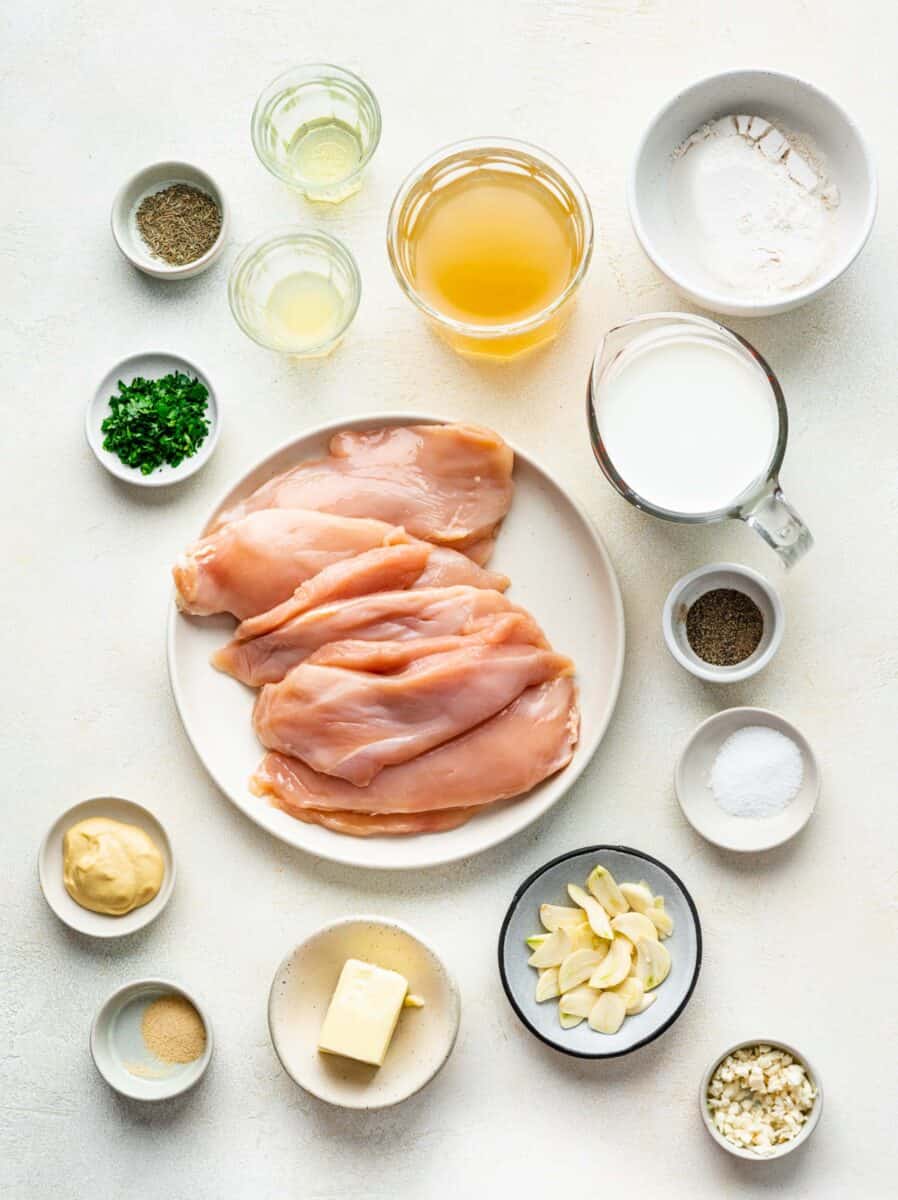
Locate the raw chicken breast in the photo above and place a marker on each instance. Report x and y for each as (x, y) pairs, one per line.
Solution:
(379, 824)
(354, 708)
(479, 767)
(391, 568)
(380, 617)
(448, 484)
(253, 564)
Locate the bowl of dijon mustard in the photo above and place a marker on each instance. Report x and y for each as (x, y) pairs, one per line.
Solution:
(106, 867)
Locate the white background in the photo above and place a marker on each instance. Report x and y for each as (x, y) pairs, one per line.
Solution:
(799, 943)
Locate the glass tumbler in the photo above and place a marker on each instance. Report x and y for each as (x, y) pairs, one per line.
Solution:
(295, 291)
(315, 127)
(476, 159)
(761, 504)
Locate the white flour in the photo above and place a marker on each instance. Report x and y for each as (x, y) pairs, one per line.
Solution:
(753, 205)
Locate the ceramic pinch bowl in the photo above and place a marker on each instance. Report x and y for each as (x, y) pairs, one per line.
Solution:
(548, 885)
(704, 814)
(152, 364)
(84, 920)
(146, 182)
(784, 1148)
(687, 590)
(123, 1058)
(301, 993)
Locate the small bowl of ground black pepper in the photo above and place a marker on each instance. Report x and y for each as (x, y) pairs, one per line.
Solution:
(723, 622)
(170, 220)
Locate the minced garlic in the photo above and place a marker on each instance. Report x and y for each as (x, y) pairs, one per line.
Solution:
(760, 1097)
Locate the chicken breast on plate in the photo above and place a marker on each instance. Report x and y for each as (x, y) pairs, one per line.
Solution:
(354, 708)
(448, 484)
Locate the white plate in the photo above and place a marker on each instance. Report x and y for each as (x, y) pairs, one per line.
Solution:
(49, 868)
(152, 364)
(560, 571)
(704, 814)
(301, 992)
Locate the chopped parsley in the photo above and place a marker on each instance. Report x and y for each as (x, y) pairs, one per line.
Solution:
(152, 422)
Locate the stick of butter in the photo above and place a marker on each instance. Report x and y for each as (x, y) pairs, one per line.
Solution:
(363, 1012)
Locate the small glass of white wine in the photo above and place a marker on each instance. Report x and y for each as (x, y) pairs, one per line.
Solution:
(316, 127)
(295, 291)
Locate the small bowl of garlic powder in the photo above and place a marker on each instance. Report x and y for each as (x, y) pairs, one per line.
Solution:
(752, 191)
(761, 1099)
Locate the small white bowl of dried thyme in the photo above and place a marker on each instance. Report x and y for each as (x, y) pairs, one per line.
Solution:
(170, 220)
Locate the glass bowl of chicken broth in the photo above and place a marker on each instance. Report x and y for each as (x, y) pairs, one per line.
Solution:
(491, 241)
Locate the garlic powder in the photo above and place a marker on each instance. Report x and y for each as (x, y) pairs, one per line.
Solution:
(760, 1097)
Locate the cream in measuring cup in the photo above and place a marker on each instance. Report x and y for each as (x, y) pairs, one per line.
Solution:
(689, 423)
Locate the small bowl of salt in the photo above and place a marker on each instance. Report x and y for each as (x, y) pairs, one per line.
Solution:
(747, 780)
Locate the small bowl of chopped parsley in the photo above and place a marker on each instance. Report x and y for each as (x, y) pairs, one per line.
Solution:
(153, 419)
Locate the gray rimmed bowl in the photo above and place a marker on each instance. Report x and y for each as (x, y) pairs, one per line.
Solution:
(548, 884)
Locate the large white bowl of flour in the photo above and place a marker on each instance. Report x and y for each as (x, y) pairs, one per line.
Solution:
(752, 191)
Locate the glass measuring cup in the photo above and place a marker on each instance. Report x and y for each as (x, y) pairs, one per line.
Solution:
(760, 502)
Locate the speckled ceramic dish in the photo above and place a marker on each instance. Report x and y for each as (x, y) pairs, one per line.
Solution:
(49, 866)
(301, 992)
(548, 885)
(123, 1058)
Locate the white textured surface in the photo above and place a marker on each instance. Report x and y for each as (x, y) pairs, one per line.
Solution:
(92, 91)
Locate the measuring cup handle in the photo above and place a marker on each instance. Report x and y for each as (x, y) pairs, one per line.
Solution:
(779, 525)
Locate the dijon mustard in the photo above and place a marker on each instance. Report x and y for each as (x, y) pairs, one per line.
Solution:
(109, 867)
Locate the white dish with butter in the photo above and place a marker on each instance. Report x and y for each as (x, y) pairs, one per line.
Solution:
(304, 987)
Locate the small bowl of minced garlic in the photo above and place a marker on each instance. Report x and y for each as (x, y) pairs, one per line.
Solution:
(761, 1099)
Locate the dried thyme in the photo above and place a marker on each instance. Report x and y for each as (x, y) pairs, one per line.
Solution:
(179, 224)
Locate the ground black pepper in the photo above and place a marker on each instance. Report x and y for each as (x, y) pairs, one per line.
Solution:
(724, 627)
(179, 224)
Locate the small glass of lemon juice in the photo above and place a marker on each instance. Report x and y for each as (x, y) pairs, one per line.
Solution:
(316, 127)
(295, 291)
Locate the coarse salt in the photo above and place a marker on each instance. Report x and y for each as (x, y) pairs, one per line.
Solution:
(758, 771)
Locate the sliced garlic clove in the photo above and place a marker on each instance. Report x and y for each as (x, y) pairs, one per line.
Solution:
(603, 886)
(536, 940)
(647, 1001)
(556, 947)
(652, 963)
(583, 938)
(567, 1020)
(557, 916)
(634, 925)
(578, 1002)
(547, 985)
(595, 914)
(577, 968)
(661, 919)
(615, 967)
(638, 896)
(608, 1013)
(631, 992)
